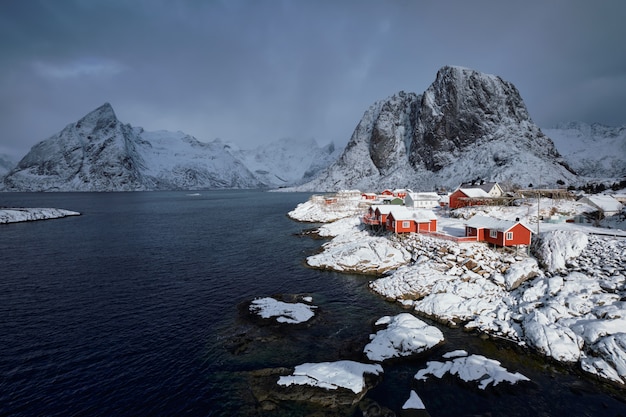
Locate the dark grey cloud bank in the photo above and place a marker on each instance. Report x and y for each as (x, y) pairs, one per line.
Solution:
(251, 71)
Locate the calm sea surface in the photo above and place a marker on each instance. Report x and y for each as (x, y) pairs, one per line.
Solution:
(131, 309)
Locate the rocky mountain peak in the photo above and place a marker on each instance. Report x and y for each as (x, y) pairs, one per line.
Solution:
(461, 106)
(466, 124)
(98, 119)
(100, 153)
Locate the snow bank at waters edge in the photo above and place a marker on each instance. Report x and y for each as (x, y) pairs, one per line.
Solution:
(569, 304)
(356, 250)
(14, 215)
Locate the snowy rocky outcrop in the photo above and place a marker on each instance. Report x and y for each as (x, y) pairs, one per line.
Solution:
(568, 306)
(332, 375)
(402, 335)
(14, 215)
(575, 140)
(99, 153)
(554, 249)
(336, 387)
(472, 368)
(282, 312)
(322, 209)
(359, 252)
(465, 125)
(576, 316)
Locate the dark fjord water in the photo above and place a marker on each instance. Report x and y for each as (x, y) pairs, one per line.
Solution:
(131, 310)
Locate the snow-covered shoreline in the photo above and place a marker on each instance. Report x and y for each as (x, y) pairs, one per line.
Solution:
(15, 215)
(565, 300)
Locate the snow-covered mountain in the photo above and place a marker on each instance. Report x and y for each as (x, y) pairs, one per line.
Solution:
(287, 161)
(6, 164)
(99, 153)
(594, 151)
(466, 125)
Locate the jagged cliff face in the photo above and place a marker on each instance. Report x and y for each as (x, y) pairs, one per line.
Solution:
(392, 131)
(459, 109)
(465, 125)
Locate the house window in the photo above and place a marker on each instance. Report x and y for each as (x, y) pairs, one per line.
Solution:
(493, 234)
(509, 235)
(406, 225)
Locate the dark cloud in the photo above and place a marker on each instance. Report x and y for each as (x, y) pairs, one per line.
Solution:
(250, 72)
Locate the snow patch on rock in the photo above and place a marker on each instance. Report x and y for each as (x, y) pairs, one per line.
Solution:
(404, 335)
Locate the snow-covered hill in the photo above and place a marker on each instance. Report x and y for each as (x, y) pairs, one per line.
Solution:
(466, 125)
(287, 161)
(99, 153)
(594, 151)
(6, 164)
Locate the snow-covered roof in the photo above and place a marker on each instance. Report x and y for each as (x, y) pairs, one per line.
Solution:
(485, 222)
(418, 215)
(485, 186)
(475, 192)
(605, 203)
(384, 208)
(426, 196)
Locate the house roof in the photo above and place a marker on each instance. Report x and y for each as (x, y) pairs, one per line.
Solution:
(474, 192)
(428, 196)
(485, 186)
(485, 222)
(605, 203)
(384, 208)
(418, 215)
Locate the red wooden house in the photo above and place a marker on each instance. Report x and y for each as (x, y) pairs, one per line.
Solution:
(400, 193)
(377, 215)
(469, 194)
(404, 220)
(498, 232)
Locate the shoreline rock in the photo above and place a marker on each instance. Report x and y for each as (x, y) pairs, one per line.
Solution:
(17, 215)
(575, 289)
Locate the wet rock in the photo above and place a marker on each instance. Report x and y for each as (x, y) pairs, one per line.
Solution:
(370, 408)
(269, 395)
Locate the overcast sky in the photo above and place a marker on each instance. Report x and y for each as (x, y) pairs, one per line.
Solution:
(253, 71)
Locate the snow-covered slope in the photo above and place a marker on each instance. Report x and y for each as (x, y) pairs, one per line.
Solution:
(595, 150)
(287, 161)
(466, 125)
(6, 164)
(99, 153)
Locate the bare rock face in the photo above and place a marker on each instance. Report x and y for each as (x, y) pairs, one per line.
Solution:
(392, 131)
(459, 110)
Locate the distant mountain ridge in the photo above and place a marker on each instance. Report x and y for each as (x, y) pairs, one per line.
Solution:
(592, 150)
(466, 125)
(99, 153)
(6, 164)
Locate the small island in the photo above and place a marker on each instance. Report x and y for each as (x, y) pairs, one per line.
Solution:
(15, 215)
